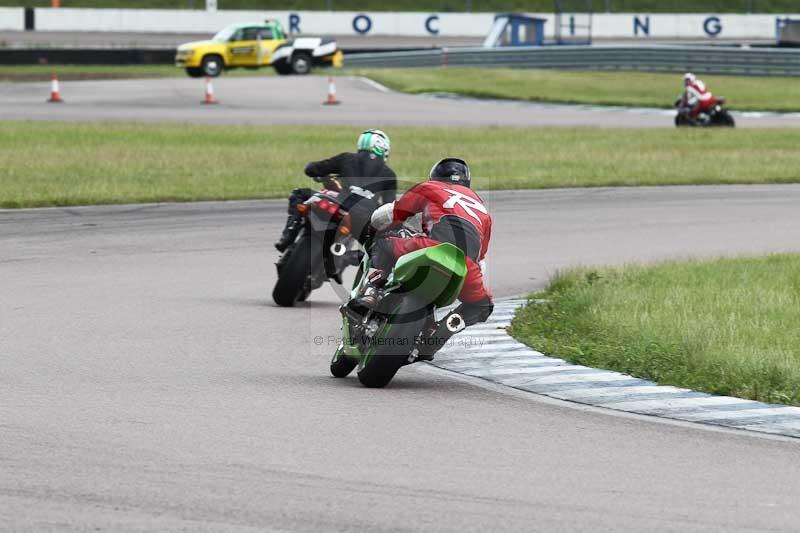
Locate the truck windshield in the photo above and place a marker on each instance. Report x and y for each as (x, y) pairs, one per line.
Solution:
(225, 35)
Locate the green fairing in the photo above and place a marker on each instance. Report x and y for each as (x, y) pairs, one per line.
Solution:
(438, 272)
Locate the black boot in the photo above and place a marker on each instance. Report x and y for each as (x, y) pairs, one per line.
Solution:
(353, 257)
(433, 342)
(289, 234)
(372, 291)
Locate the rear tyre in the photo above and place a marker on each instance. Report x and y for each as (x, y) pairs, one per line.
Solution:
(293, 276)
(341, 365)
(212, 65)
(392, 347)
(194, 72)
(301, 63)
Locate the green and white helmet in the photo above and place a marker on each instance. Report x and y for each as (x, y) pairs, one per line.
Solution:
(374, 141)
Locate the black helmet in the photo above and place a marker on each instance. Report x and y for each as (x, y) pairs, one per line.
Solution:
(451, 170)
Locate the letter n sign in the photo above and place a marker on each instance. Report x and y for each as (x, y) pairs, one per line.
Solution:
(638, 25)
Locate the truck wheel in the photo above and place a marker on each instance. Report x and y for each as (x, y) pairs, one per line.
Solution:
(194, 72)
(212, 65)
(301, 63)
(283, 68)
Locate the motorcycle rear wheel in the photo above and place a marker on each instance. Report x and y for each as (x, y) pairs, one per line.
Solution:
(392, 346)
(292, 279)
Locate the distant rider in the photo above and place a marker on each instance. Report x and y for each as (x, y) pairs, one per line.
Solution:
(451, 212)
(697, 99)
(366, 168)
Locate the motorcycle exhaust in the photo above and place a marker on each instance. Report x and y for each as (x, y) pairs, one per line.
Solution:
(455, 323)
(338, 249)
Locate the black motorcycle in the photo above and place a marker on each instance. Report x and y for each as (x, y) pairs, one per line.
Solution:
(329, 241)
(717, 116)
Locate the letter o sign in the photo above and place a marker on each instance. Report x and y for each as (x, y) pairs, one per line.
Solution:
(712, 26)
(362, 24)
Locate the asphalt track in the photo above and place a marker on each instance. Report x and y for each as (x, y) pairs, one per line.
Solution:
(148, 383)
(297, 100)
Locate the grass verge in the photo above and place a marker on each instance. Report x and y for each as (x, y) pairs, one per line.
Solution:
(725, 326)
(645, 89)
(52, 163)
(22, 73)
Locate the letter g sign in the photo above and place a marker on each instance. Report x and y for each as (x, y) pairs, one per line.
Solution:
(712, 26)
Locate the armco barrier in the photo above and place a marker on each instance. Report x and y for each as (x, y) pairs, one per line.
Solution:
(651, 58)
(101, 56)
(702, 59)
(87, 56)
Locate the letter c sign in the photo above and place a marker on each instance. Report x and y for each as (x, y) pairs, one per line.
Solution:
(429, 24)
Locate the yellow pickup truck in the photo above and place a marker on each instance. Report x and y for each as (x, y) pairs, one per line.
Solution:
(255, 45)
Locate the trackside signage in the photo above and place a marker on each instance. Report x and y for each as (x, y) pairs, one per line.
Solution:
(12, 18)
(626, 26)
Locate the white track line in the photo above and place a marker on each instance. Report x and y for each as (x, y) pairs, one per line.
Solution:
(487, 352)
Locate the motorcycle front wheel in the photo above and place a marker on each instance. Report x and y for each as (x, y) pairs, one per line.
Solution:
(341, 365)
(681, 121)
(727, 120)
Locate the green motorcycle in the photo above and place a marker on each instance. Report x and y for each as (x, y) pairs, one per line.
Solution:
(398, 331)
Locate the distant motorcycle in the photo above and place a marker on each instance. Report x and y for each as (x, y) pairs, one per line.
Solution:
(717, 116)
(328, 242)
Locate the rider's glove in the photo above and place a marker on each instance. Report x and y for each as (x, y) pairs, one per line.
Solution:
(383, 217)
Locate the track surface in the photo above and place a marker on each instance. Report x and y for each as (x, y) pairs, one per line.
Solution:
(297, 100)
(149, 383)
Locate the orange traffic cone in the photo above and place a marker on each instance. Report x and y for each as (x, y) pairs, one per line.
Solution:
(55, 94)
(210, 98)
(331, 99)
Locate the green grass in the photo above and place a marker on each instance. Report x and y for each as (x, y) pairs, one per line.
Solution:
(22, 73)
(601, 88)
(542, 6)
(725, 326)
(50, 163)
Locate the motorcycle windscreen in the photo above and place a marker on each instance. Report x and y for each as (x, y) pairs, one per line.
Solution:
(437, 273)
